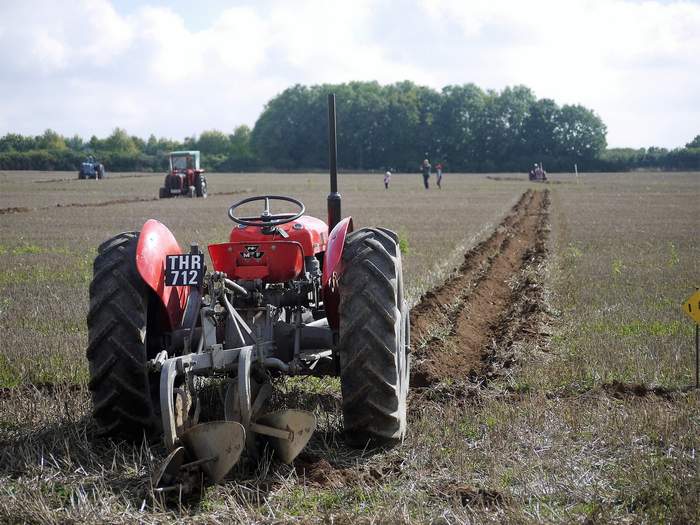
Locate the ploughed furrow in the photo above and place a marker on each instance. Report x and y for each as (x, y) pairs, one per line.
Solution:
(112, 202)
(24, 209)
(455, 327)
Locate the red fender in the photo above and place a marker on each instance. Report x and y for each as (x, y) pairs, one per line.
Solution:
(332, 269)
(155, 242)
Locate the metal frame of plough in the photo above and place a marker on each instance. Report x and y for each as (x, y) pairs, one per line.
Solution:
(287, 431)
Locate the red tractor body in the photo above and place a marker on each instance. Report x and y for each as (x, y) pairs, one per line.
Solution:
(274, 257)
(154, 243)
(249, 255)
(269, 261)
(311, 233)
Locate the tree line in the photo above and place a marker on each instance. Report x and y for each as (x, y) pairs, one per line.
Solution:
(380, 127)
(123, 152)
(395, 126)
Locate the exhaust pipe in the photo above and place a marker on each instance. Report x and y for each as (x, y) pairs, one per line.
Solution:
(333, 196)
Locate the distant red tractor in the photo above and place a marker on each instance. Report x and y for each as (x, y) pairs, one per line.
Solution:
(288, 294)
(185, 177)
(537, 173)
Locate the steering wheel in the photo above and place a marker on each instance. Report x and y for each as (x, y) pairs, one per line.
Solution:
(266, 218)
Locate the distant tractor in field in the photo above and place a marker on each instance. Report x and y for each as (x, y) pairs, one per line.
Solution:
(91, 169)
(185, 177)
(537, 174)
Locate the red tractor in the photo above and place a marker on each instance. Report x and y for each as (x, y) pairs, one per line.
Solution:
(287, 295)
(185, 177)
(537, 173)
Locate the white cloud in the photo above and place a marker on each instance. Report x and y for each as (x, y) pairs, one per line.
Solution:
(171, 52)
(103, 33)
(87, 66)
(49, 37)
(49, 53)
(630, 61)
(238, 39)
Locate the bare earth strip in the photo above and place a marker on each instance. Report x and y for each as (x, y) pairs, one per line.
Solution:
(112, 202)
(456, 326)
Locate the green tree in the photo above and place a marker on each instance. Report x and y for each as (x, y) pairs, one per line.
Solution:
(401, 119)
(540, 131)
(75, 143)
(514, 109)
(119, 142)
(139, 143)
(17, 142)
(239, 144)
(360, 131)
(290, 131)
(160, 146)
(50, 140)
(460, 111)
(695, 143)
(580, 134)
(190, 143)
(151, 147)
(213, 142)
(94, 144)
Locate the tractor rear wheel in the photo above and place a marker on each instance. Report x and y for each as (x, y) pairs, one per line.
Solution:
(122, 313)
(373, 339)
(201, 186)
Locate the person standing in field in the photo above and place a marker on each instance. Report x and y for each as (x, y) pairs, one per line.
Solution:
(387, 178)
(541, 174)
(438, 173)
(425, 168)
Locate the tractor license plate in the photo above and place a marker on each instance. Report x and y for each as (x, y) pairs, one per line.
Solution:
(184, 270)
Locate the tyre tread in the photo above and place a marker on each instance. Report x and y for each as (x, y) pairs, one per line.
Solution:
(373, 408)
(116, 352)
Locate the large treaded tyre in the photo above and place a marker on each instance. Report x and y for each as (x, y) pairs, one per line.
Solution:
(124, 396)
(373, 339)
(201, 186)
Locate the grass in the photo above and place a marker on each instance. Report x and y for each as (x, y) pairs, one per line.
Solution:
(564, 435)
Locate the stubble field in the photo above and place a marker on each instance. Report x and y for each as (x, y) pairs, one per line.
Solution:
(551, 361)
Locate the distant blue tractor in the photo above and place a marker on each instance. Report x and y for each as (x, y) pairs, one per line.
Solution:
(91, 169)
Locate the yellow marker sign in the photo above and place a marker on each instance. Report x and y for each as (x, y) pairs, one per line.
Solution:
(692, 307)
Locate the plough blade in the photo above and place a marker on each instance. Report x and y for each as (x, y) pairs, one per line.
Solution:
(168, 473)
(287, 430)
(216, 446)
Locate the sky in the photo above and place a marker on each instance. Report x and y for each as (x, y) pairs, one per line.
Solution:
(177, 68)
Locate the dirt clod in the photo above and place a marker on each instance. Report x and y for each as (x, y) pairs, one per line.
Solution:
(14, 209)
(319, 472)
(477, 496)
(620, 389)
